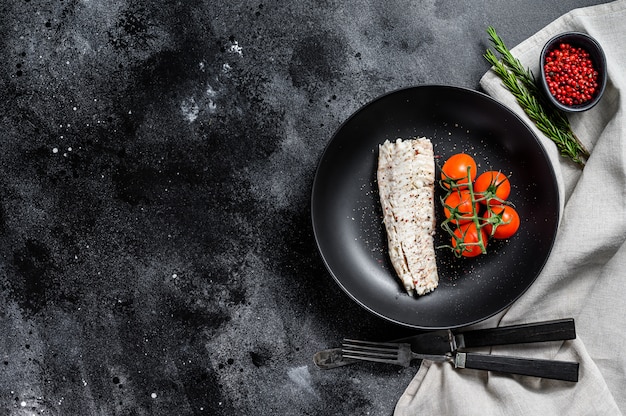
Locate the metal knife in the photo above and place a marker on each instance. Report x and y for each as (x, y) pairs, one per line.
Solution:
(448, 341)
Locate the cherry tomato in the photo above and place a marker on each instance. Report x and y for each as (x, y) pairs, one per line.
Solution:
(467, 239)
(458, 206)
(493, 187)
(502, 221)
(455, 168)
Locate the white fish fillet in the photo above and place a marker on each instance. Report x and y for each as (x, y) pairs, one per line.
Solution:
(406, 184)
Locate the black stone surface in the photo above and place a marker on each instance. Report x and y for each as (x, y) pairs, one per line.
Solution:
(156, 251)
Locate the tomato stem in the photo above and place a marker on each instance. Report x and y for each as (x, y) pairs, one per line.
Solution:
(457, 217)
(475, 218)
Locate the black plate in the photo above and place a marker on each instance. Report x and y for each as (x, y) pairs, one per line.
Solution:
(347, 218)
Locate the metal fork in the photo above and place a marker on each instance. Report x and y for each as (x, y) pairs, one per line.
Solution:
(386, 352)
(401, 354)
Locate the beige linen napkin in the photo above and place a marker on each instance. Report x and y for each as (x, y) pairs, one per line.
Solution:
(585, 276)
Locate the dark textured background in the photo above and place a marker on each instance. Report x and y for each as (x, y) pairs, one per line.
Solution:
(156, 252)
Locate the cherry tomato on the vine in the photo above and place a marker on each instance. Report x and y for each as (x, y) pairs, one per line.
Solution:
(458, 206)
(466, 240)
(492, 186)
(456, 168)
(502, 220)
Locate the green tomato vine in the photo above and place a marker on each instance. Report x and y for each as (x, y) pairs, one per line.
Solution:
(456, 217)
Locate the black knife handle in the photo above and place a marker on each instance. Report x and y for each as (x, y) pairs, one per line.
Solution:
(556, 370)
(557, 330)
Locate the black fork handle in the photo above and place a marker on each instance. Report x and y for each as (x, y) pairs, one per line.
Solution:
(556, 330)
(552, 369)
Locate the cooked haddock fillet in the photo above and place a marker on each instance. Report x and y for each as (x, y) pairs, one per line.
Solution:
(406, 184)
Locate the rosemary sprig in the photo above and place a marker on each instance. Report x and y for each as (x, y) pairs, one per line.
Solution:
(526, 77)
(522, 84)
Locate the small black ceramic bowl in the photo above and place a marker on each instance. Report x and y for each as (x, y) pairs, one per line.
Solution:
(596, 54)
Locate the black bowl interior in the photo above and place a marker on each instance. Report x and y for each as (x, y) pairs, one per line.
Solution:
(347, 218)
(580, 40)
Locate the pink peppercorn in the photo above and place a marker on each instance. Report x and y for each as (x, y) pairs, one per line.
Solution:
(570, 74)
